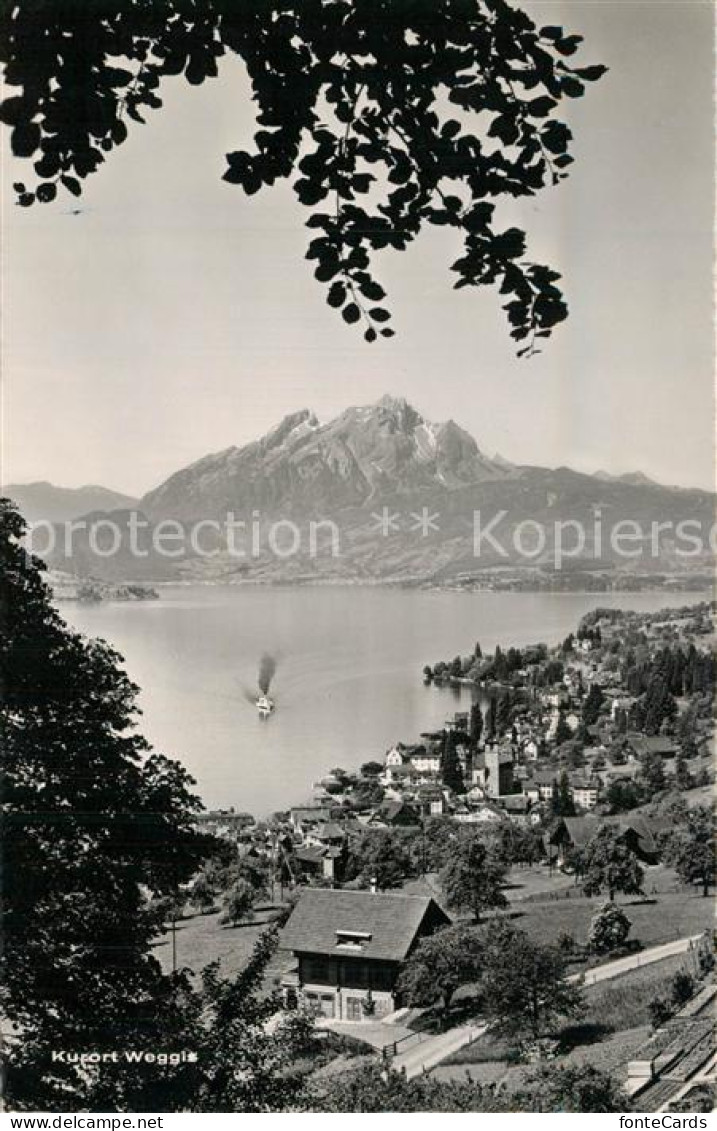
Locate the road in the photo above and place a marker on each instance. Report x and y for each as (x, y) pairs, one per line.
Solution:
(635, 961)
(421, 1057)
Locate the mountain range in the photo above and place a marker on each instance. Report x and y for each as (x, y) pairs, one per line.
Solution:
(42, 501)
(373, 461)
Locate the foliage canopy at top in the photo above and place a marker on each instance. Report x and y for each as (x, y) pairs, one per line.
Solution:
(354, 101)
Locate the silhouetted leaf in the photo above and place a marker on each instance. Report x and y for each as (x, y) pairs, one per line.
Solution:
(72, 185)
(591, 74)
(25, 139)
(572, 87)
(336, 295)
(351, 313)
(46, 192)
(326, 271)
(372, 290)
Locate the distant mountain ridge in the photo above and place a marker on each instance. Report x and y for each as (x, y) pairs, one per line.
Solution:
(44, 501)
(387, 458)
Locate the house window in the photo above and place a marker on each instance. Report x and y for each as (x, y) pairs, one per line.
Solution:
(352, 940)
(316, 969)
(321, 1005)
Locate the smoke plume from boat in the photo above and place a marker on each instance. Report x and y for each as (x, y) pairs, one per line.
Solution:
(267, 670)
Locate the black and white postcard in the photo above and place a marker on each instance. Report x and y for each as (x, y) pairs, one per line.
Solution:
(358, 545)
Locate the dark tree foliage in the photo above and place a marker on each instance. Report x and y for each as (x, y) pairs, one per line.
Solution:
(473, 877)
(525, 986)
(563, 732)
(451, 771)
(574, 1088)
(607, 863)
(97, 830)
(244, 1063)
(374, 1088)
(476, 724)
(561, 803)
(382, 855)
(549, 1089)
(592, 705)
(355, 102)
(441, 964)
(690, 849)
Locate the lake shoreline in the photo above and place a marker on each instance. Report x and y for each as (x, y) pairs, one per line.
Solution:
(348, 683)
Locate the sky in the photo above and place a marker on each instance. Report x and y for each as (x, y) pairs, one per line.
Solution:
(176, 317)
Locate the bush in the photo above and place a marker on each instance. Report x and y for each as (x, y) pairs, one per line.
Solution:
(609, 929)
(368, 1005)
(239, 904)
(566, 942)
(682, 988)
(660, 1012)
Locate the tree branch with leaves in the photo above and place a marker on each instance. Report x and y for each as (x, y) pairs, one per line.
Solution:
(355, 101)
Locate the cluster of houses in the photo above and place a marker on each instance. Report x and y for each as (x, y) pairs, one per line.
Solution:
(349, 945)
(519, 775)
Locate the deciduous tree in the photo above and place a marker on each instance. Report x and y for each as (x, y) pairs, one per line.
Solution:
(354, 101)
(441, 964)
(473, 877)
(525, 987)
(382, 855)
(608, 864)
(98, 831)
(690, 849)
(609, 928)
(239, 903)
(575, 1088)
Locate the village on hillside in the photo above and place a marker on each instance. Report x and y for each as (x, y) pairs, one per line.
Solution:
(553, 844)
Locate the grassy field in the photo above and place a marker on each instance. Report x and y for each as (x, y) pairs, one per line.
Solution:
(201, 940)
(546, 905)
(622, 1003)
(523, 883)
(657, 919)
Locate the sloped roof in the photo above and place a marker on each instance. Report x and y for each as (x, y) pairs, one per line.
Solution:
(516, 802)
(652, 744)
(579, 781)
(310, 812)
(581, 830)
(330, 831)
(393, 922)
(311, 853)
(390, 810)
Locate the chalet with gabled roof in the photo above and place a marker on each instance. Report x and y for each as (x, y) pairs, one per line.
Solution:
(350, 943)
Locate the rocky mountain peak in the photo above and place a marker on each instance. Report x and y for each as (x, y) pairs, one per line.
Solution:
(381, 449)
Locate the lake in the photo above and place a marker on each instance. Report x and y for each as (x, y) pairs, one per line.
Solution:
(348, 682)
